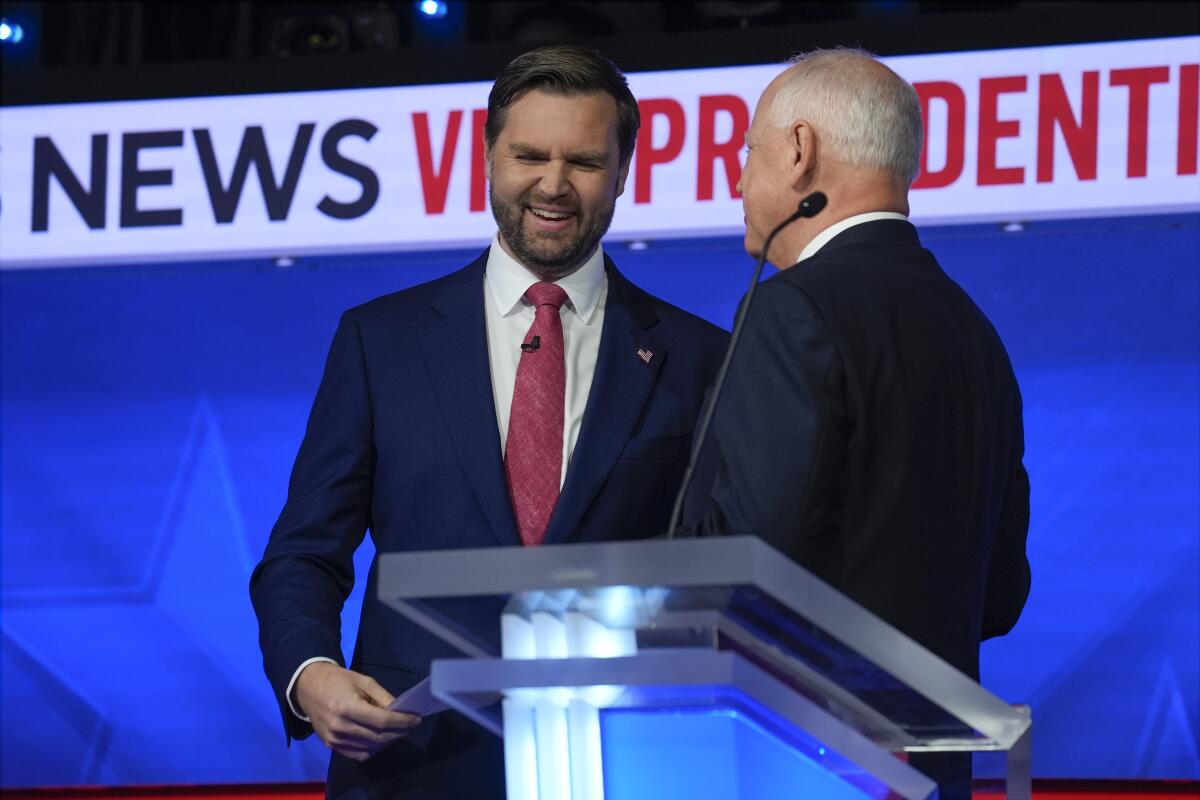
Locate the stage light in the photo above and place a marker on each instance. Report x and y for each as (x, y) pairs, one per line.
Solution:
(434, 9)
(11, 32)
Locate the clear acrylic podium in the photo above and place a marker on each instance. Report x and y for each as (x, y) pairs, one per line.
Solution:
(695, 668)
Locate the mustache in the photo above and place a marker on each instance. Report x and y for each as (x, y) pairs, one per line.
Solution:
(558, 202)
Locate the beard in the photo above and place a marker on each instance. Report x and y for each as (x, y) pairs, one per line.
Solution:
(550, 256)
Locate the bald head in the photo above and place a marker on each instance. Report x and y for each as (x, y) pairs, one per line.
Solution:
(867, 115)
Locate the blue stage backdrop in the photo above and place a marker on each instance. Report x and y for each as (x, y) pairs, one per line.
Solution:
(150, 415)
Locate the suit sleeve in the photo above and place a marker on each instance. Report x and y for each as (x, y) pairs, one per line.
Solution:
(307, 571)
(1008, 572)
(776, 417)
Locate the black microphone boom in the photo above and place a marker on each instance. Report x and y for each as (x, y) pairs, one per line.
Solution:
(809, 207)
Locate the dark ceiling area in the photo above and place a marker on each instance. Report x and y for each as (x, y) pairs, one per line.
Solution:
(108, 50)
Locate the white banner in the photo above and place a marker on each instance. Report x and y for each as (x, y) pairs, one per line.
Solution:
(1081, 130)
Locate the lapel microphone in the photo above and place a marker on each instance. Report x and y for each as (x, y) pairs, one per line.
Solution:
(531, 345)
(809, 207)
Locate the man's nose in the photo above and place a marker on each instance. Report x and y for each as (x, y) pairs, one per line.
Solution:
(554, 180)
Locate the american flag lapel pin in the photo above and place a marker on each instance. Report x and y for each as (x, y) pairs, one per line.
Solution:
(645, 354)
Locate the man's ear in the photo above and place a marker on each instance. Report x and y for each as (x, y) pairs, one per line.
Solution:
(488, 161)
(803, 142)
(622, 174)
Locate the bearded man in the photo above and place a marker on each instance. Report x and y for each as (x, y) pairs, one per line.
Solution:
(533, 397)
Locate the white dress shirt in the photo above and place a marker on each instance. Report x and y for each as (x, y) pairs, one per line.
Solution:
(508, 317)
(822, 238)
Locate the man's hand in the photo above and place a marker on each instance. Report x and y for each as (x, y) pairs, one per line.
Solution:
(349, 710)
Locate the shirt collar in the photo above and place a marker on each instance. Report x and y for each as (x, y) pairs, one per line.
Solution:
(823, 238)
(507, 279)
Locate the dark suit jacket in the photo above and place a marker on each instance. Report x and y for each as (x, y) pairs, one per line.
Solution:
(871, 430)
(403, 442)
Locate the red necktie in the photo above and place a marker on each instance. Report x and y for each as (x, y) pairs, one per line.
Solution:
(534, 449)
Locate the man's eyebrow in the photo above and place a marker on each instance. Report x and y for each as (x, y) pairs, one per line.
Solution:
(588, 156)
(597, 156)
(518, 149)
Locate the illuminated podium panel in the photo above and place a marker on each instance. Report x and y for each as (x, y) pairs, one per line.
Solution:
(698, 668)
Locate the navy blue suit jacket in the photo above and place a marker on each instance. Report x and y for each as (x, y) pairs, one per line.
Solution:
(871, 430)
(403, 442)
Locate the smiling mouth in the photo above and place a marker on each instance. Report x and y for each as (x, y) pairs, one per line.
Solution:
(551, 222)
(551, 216)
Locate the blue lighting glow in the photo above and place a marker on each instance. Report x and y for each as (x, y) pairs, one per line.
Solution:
(12, 32)
(141, 475)
(686, 754)
(434, 9)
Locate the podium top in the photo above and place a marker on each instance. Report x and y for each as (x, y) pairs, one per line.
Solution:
(729, 593)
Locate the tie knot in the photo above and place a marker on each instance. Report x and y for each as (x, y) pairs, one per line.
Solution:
(546, 294)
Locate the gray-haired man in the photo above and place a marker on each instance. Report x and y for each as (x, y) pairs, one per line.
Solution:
(871, 424)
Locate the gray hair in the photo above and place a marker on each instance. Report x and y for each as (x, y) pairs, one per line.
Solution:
(869, 119)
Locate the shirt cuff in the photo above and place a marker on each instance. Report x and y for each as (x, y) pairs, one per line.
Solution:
(292, 683)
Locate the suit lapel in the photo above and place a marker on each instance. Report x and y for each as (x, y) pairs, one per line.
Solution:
(620, 388)
(456, 354)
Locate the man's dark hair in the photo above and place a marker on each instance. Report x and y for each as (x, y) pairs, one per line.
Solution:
(563, 70)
